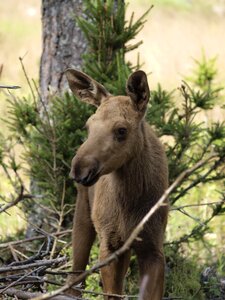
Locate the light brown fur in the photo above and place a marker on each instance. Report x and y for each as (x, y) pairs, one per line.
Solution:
(121, 176)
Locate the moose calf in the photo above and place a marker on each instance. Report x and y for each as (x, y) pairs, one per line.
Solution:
(121, 171)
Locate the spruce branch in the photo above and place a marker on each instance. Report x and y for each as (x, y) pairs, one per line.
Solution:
(40, 263)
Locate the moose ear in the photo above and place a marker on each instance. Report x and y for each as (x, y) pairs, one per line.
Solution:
(86, 88)
(138, 90)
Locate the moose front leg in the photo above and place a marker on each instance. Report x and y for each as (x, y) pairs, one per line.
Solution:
(113, 274)
(151, 267)
(83, 236)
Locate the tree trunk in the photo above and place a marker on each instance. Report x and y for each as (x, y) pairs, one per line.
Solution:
(63, 44)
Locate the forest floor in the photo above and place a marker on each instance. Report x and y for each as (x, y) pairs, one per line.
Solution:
(176, 33)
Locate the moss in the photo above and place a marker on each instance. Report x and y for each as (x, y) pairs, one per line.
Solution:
(182, 277)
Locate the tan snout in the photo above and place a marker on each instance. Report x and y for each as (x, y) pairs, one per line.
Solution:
(85, 170)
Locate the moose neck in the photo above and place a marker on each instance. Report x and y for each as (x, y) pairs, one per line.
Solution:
(134, 177)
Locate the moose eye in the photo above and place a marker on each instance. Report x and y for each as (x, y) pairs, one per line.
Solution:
(121, 134)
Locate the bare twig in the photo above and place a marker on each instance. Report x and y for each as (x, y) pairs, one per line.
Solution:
(11, 278)
(38, 256)
(27, 78)
(196, 205)
(1, 69)
(190, 216)
(12, 87)
(131, 238)
(119, 296)
(37, 237)
(18, 280)
(105, 294)
(40, 263)
(60, 221)
(27, 295)
(195, 233)
(12, 250)
(17, 200)
(200, 179)
(25, 282)
(19, 252)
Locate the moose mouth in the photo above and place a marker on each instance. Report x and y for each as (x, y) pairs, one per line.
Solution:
(90, 180)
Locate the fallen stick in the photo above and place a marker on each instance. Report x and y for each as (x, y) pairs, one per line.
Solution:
(16, 201)
(37, 237)
(11, 87)
(28, 295)
(33, 265)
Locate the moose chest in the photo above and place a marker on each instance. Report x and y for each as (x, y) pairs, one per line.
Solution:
(114, 213)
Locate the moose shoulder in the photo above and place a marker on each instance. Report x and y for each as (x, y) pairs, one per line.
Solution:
(121, 171)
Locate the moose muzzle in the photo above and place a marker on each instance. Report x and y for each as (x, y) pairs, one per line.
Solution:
(85, 170)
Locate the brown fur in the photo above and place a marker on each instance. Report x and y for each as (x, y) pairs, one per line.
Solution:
(121, 176)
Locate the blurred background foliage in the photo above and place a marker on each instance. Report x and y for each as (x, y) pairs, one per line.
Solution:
(39, 141)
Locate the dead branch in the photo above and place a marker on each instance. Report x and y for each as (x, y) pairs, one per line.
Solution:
(133, 236)
(14, 254)
(1, 69)
(27, 295)
(12, 87)
(40, 263)
(196, 205)
(27, 78)
(22, 282)
(11, 278)
(60, 221)
(38, 256)
(119, 296)
(105, 294)
(19, 280)
(201, 178)
(37, 237)
(17, 200)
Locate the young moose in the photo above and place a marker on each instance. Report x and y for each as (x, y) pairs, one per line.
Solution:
(121, 171)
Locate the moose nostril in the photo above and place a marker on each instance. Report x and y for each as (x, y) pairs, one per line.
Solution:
(75, 171)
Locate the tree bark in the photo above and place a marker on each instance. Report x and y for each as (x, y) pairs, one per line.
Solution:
(63, 44)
